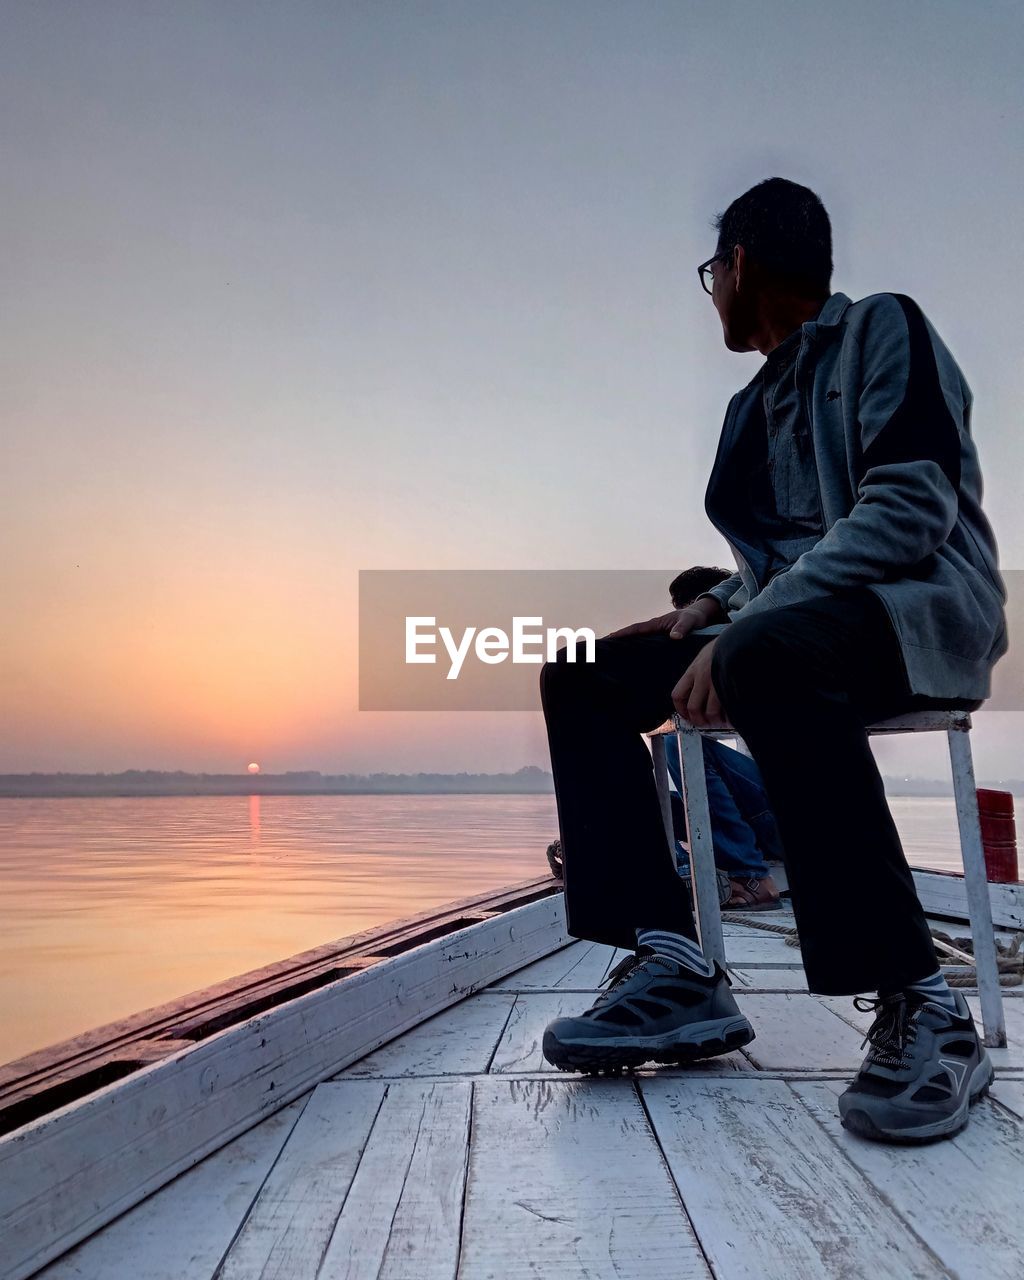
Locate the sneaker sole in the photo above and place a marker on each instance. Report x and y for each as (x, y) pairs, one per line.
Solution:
(863, 1125)
(702, 1040)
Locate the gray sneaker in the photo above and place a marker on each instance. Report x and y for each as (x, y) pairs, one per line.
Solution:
(654, 1011)
(924, 1071)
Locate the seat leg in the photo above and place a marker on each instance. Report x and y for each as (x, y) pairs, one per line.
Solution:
(979, 905)
(707, 911)
(661, 784)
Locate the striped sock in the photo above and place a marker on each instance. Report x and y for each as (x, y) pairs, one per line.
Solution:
(935, 990)
(675, 947)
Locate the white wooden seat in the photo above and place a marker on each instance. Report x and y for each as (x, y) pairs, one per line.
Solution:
(955, 724)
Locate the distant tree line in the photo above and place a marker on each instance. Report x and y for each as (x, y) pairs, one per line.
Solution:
(530, 780)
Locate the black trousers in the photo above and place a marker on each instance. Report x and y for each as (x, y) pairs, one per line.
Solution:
(799, 683)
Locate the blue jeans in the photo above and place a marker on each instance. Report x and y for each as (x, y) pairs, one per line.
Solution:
(743, 828)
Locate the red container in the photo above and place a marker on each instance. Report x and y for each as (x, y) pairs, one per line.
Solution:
(998, 835)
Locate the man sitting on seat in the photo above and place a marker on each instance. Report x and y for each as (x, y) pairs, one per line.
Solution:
(848, 487)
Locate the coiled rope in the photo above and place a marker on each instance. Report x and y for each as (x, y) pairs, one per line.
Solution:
(1009, 955)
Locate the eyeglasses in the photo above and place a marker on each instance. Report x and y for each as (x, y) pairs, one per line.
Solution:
(707, 276)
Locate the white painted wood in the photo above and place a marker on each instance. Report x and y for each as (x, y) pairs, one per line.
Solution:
(1010, 1094)
(964, 1198)
(288, 1228)
(702, 853)
(976, 886)
(589, 971)
(768, 1193)
(945, 896)
(519, 1050)
(1012, 1056)
(182, 1231)
(582, 967)
(843, 1007)
(459, 1041)
(754, 979)
(67, 1175)
(913, 722)
(401, 1218)
(566, 1183)
(764, 951)
(798, 1033)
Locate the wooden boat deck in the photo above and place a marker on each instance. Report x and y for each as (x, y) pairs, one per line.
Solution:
(454, 1153)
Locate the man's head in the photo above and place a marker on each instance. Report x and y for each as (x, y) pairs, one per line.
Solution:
(774, 247)
(694, 582)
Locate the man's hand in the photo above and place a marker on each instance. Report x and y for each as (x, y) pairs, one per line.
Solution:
(694, 697)
(678, 623)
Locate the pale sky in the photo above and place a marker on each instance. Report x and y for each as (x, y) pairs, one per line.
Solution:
(294, 290)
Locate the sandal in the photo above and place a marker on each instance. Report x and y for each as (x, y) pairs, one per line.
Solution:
(752, 895)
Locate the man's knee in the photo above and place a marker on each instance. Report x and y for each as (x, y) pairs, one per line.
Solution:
(565, 673)
(745, 663)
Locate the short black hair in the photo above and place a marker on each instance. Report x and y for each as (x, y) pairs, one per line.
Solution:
(785, 230)
(694, 582)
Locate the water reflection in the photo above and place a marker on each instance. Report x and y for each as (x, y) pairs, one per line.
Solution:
(112, 905)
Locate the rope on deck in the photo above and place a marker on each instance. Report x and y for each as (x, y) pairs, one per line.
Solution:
(1010, 955)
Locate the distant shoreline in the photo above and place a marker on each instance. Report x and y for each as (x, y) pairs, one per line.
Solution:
(529, 780)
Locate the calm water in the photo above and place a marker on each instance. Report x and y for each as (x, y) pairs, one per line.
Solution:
(110, 906)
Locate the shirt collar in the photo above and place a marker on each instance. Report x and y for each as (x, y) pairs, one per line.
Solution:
(784, 353)
(831, 314)
(825, 325)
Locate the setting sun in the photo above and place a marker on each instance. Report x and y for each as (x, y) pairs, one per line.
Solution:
(254, 767)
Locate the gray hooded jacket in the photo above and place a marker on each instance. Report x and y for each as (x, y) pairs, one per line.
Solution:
(891, 460)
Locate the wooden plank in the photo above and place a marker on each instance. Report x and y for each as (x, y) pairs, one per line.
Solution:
(768, 1193)
(402, 1217)
(581, 967)
(943, 894)
(67, 1175)
(732, 930)
(964, 1198)
(1010, 1093)
(1013, 1055)
(519, 1050)
(148, 1242)
(566, 1181)
(751, 978)
(798, 1033)
(843, 1007)
(286, 1233)
(763, 951)
(460, 1041)
(588, 971)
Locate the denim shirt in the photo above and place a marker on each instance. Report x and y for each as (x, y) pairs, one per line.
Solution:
(786, 514)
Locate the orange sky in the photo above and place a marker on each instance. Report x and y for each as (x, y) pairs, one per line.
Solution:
(360, 289)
